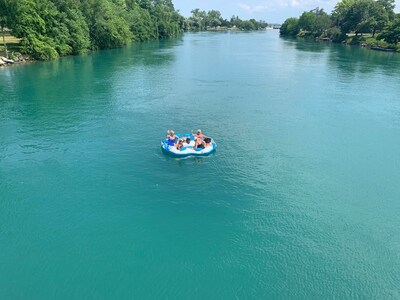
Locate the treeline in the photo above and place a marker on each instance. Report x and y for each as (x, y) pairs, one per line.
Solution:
(52, 28)
(201, 20)
(374, 18)
(48, 29)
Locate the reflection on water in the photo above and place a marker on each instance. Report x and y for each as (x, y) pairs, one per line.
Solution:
(353, 59)
(349, 59)
(62, 87)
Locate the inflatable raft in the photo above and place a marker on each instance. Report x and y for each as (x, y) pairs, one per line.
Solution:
(187, 148)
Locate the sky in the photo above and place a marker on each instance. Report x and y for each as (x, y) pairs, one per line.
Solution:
(271, 11)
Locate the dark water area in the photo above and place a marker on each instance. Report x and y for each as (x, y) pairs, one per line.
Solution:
(300, 200)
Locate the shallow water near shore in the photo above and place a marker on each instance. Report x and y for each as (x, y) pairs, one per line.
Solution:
(299, 201)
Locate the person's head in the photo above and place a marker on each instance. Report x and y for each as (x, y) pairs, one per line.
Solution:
(171, 132)
(198, 131)
(180, 141)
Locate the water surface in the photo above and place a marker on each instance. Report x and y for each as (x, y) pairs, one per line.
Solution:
(300, 201)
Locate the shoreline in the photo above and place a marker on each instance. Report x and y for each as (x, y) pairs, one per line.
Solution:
(359, 44)
(21, 59)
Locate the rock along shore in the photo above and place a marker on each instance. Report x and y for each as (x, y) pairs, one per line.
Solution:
(18, 59)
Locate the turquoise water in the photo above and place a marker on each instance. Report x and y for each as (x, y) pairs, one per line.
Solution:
(300, 201)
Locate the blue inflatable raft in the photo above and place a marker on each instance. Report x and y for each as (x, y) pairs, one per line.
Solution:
(187, 148)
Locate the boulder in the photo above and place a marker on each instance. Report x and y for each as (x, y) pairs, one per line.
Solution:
(6, 60)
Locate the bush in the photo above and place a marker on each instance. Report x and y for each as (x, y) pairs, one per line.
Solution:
(290, 27)
(38, 49)
(377, 43)
(336, 35)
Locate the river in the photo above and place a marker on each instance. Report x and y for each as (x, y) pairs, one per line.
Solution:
(300, 200)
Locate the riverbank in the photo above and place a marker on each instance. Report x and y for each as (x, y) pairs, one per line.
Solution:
(15, 60)
(365, 41)
(369, 41)
(221, 28)
(234, 28)
(10, 51)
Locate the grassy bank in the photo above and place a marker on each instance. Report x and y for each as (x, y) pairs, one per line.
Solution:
(13, 44)
(13, 49)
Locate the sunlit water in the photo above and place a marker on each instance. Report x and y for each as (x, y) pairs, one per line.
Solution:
(300, 201)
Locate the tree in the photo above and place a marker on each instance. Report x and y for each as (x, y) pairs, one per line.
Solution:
(340, 11)
(30, 26)
(388, 6)
(322, 23)
(197, 21)
(236, 21)
(359, 17)
(247, 25)
(377, 18)
(391, 32)
(169, 22)
(141, 24)
(78, 31)
(213, 18)
(5, 20)
(107, 24)
(362, 16)
(290, 27)
(335, 34)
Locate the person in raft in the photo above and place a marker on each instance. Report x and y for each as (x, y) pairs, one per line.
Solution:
(200, 140)
(179, 145)
(198, 134)
(172, 138)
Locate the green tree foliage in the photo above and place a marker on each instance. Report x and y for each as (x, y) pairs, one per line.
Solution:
(251, 24)
(5, 20)
(290, 27)
(362, 16)
(77, 30)
(213, 18)
(349, 16)
(52, 28)
(107, 26)
(141, 23)
(197, 21)
(339, 13)
(391, 32)
(201, 20)
(168, 22)
(388, 6)
(29, 24)
(335, 34)
(315, 22)
(356, 18)
(236, 21)
(6, 13)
